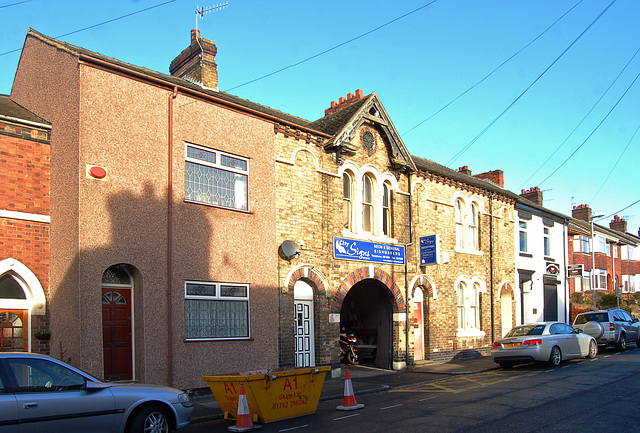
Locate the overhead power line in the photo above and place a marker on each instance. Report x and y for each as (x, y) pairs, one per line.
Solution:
(99, 24)
(594, 129)
(334, 47)
(493, 122)
(15, 4)
(493, 71)
(622, 210)
(615, 165)
(581, 121)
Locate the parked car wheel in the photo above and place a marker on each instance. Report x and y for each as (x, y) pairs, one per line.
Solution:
(593, 350)
(556, 357)
(150, 419)
(622, 344)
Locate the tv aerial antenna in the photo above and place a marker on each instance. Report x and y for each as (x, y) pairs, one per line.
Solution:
(202, 11)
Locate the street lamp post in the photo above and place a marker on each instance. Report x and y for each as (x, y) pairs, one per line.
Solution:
(593, 260)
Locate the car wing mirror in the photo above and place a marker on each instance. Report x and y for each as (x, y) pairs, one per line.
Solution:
(94, 386)
(635, 320)
(579, 331)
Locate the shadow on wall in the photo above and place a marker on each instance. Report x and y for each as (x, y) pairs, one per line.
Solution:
(130, 229)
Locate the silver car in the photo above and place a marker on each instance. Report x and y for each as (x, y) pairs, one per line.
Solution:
(610, 327)
(38, 393)
(550, 342)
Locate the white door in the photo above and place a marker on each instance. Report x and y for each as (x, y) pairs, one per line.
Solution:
(303, 325)
(507, 314)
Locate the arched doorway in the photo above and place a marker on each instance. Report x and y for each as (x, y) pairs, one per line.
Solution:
(506, 303)
(14, 316)
(117, 326)
(367, 312)
(304, 325)
(418, 326)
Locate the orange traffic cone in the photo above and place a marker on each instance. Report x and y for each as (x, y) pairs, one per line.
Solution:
(349, 399)
(243, 423)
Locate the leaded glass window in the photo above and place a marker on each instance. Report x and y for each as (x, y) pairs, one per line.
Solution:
(216, 310)
(216, 178)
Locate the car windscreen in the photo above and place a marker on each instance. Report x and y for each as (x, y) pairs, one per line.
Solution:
(591, 317)
(526, 330)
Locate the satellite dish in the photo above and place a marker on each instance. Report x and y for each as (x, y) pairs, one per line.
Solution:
(288, 250)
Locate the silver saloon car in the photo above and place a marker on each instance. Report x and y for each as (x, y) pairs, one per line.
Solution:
(550, 342)
(38, 393)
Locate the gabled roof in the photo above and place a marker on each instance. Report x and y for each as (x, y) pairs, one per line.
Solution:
(87, 55)
(343, 126)
(11, 110)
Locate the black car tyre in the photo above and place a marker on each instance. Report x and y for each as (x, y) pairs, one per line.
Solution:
(556, 357)
(150, 419)
(622, 344)
(593, 350)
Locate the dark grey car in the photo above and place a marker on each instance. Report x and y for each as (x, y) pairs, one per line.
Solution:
(613, 327)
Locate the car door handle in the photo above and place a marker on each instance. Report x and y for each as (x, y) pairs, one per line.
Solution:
(30, 404)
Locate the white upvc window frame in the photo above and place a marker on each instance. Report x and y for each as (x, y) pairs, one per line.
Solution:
(468, 306)
(216, 160)
(215, 299)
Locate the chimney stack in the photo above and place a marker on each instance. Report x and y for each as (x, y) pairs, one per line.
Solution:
(618, 224)
(582, 212)
(344, 102)
(197, 62)
(534, 195)
(495, 176)
(464, 170)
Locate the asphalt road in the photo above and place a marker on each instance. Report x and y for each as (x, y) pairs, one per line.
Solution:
(600, 396)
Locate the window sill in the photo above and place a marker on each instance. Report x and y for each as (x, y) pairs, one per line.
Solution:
(526, 255)
(368, 237)
(471, 333)
(469, 251)
(218, 206)
(196, 340)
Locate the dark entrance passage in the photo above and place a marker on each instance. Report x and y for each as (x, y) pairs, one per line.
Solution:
(366, 312)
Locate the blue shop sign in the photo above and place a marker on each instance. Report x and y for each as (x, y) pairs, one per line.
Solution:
(350, 249)
(429, 250)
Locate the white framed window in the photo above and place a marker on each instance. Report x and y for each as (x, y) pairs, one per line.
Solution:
(468, 306)
(626, 283)
(472, 240)
(216, 311)
(368, 187)
(347, 200)
(547, 242)
(602, 246)
(216, 178)
(600, 279)
(386, 209)
(523, 236)
(460, 216)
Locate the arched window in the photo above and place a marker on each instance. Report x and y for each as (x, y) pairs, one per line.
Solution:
(386, 210)
(347, 200)
(460, 223)
(367, 203)
(468, 306)
(473, 228)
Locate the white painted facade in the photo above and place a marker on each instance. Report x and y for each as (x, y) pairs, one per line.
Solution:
(540, 294)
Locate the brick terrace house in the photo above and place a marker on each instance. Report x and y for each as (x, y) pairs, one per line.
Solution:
(355, 206)
(629, 259)
(175, 205)
(24, 227)
(607, 246)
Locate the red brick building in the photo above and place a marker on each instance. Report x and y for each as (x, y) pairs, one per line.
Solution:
(24, 228)
(607, 247)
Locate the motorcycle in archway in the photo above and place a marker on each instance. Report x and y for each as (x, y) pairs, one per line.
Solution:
(348, 349)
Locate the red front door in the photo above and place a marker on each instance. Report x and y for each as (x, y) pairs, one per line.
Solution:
(116, 334)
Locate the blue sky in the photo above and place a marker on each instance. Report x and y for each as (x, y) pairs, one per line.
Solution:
(420, 61)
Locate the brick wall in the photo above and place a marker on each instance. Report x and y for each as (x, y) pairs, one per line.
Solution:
(24, 175)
